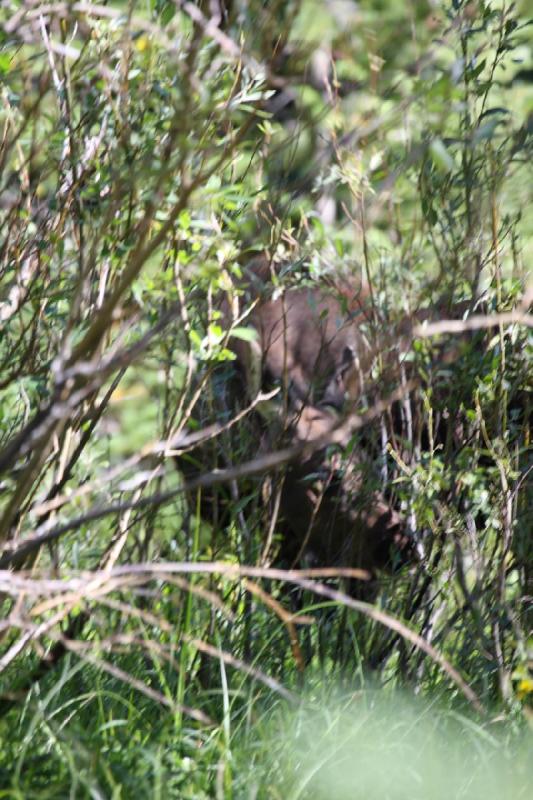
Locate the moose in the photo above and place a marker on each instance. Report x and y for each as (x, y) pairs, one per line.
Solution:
(326, 352)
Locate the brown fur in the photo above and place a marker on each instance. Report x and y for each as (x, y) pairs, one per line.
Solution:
(309, 340)
(313, 343)
(320, 346)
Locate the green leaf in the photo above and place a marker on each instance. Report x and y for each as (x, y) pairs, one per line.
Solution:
(440, 156)
(246, 334)
(5, 63)
(184, 219)
(167, 13)
(195, 338)
(485, 131)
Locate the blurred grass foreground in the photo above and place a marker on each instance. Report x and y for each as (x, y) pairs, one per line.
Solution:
(374, 747)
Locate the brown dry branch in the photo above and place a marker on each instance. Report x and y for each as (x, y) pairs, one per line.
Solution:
(125, 677)
(301, 578)
(338, 432)
(75, 385)
(474, 323)
(177, 443)
(246, 669)
(74, 372)
(287, 619)
(211, 597)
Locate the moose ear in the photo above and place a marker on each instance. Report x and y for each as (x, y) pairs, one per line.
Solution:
(348, 359)
(339, 389)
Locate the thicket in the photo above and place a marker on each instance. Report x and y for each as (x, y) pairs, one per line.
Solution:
(147, 149)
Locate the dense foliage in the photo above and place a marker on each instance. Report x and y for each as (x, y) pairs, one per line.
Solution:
(148, 149)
